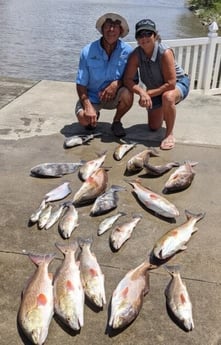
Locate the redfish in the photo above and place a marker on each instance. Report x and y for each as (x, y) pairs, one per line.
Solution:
(136, 163)
(68, 289)
(91, 275)
(94, 186)
(90, 166)
(176, 239)
(37, 308)
(178, 300)
(154, 201)
(122, 149)
(181, 178)
(123, 232)
(127, 298)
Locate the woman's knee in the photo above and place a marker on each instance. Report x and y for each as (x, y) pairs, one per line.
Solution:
(169, 98)
(126, 97)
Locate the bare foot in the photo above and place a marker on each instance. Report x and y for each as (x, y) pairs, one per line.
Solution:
(168, 143)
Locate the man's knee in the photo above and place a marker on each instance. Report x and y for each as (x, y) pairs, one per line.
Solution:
(126, 97)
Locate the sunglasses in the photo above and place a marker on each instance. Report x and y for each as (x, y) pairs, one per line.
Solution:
(144, 33)
(110, 23)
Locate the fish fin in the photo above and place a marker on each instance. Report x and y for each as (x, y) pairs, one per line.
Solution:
(51, 276)
(198, 216)
(182, 298)
(37, 259)
(184, 247)
(41, 299)
(64, 248)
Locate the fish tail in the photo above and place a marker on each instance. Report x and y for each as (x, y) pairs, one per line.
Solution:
(37, 259)
(197, 216)
(117, 188)
(154, 152)
(65, 248)
(172, 269)
(85, 242)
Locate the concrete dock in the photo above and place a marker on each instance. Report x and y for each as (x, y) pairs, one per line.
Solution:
(35, 118)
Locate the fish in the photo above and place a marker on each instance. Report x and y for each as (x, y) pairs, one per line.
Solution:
(89, 167)
(54, 216)
(69, 221)
(106, 201)
(127, 298)
(94, 186)
(154, 201)
(181, 178)
(123, 232)
(37, 308)
(178, 299)
(108, 222)
(176, 239)
(136, 163)
(77, 140)
(44, 216)
(36, 214)
(55, 169)
(158, 170)
(68, 290)
(122, 149)
(59, 192)
(91, 275)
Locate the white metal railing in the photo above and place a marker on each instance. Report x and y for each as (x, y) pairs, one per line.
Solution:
(200, 59)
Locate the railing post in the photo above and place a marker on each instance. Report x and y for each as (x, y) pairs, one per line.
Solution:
(210, 53)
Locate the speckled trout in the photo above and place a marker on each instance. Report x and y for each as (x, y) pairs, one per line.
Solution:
(127, 298)
(178, 300)
(68, 289)
(37, 308)
(176, 239)
(154, 201)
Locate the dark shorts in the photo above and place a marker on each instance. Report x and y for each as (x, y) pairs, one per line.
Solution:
(182, 84)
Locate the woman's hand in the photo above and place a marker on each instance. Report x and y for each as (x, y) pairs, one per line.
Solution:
(145, 101)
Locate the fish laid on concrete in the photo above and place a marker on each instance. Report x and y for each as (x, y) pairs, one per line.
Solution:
(123, 232)
(178, 300)
(89, 167)
(107, 201)
(94, 186)
(37, 307)
(55, 169)
(91, 275)
(68, 290)
(181, 178)
(44, 216)
(59, 192)
(176, 239)
(54, 216)
(158, 170)
(69, 221)
(36, 214)
(108, 222)
(77, 140)
(127, 298)
(154, 201)
(122, 149)
(136, 163)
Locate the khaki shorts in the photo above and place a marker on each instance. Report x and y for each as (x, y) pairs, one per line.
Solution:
(103, 105)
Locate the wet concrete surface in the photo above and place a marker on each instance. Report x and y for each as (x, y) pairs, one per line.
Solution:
(21, 194)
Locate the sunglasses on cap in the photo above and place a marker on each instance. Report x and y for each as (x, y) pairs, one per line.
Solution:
(144, 33)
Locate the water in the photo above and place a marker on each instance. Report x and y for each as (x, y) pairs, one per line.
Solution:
(42, 39)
